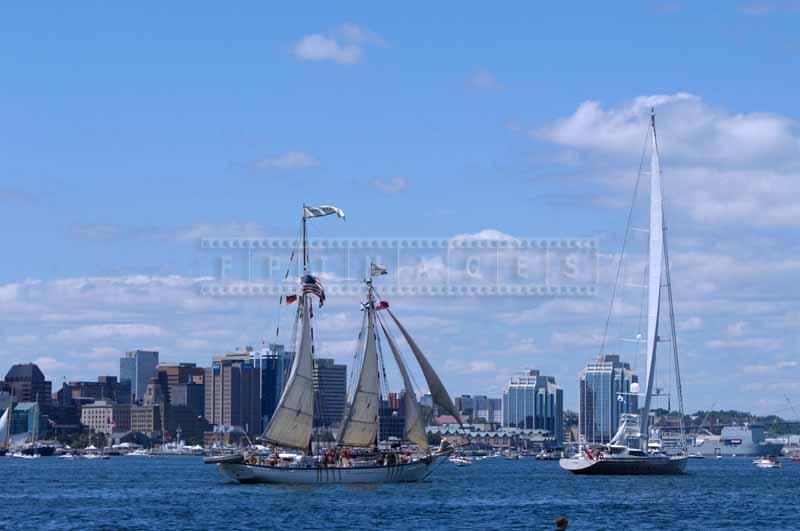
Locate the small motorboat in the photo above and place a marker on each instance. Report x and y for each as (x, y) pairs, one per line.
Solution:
(767, 462)
(460, 460)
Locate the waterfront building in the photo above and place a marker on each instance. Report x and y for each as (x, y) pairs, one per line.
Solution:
(147, 420)
(484, 409)
(275, 364)
(105, 388)
(104, 417)
(137, 367)
(27, 416)
(605, 394)
(189, 395)
(501, 438)
(173, 374)
(232, 392)
(330, 386)
(392, 422)
(533, 401)
(465, 405)
(26, 382)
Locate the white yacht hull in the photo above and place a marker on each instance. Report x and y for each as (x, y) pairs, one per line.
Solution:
(399, 473)
(649, 465)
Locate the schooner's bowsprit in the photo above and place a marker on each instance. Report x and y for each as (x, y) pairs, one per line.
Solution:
(356, 457)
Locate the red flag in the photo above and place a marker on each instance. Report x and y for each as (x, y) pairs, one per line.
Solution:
(290, 299)
(382, 305)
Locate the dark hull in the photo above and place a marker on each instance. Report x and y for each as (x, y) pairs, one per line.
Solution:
(645, 466)
(3, 451)
(44, 451)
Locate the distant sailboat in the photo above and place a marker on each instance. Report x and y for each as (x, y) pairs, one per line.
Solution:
(356, 457)
(629, 451)
(5, 429)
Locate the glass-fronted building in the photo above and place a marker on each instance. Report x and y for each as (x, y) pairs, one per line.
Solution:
(137, 367)
(533, 401)
(605, 394)
(275, 364)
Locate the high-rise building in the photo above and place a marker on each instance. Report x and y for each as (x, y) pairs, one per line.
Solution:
(391, 420)
(26, 382)
(179, 373)
(137, 367)
(605, 394)
(275, 364)
(330, 385)
(533, 401)
(466, 406)
(105, 388)
(190, 396)
(232, 392)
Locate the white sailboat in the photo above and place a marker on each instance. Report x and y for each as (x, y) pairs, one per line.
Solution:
(630, 451)
(5, 429)
(356, 457)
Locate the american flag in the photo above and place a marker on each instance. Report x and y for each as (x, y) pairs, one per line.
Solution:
(311, 284)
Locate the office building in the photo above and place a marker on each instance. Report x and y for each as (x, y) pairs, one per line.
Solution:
(330, 385)
(27, 418)
(137, 367)
(104, 417)
(232, 392)
(605, 394)
(533, 401)
(190, 396)
(105, 388)
(391, 420)
(275, 364)
(466, 406)
(26, 383)
(179, 373)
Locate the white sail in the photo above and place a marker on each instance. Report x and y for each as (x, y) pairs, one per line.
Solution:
(655, 264)
(414, 429)
(5, 427)
(435, 385)
(360, 427)
(293, 420)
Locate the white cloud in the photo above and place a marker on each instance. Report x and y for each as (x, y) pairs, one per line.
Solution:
(470, 367)
(691, 324)
(721, 167)
(345, 45)
(289, 161)
(106, 331)
(483, 80)
(689, 129)
(737, 329)
(49, 364)
(776, 367)
(754, 343)
(485, 234)
(391, 185)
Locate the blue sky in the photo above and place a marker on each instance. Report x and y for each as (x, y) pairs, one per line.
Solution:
(129, 133)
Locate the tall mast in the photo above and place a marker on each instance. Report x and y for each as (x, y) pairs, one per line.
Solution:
(656, 260)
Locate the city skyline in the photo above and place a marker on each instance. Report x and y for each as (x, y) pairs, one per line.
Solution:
(167, 138)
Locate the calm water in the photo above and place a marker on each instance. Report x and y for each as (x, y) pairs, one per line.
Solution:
(182, 493)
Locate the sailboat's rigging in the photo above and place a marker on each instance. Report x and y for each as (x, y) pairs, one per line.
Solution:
(292, 424)
(630, 449)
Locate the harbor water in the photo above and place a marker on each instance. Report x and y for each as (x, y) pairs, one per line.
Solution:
(137, 493)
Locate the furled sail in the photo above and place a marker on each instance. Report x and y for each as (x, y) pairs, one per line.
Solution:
(435, 385)
(655, 264)
(293, 420)
(414, 429)
(360, 427)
